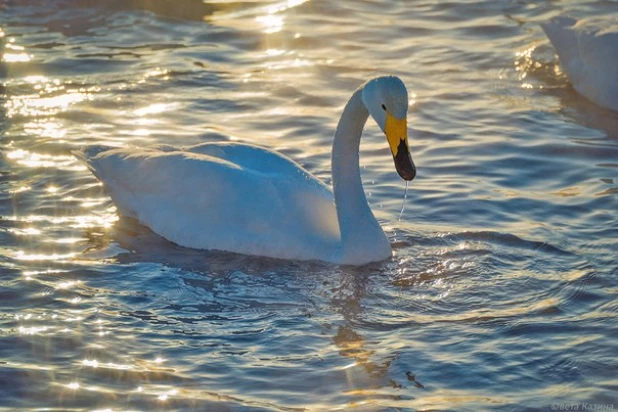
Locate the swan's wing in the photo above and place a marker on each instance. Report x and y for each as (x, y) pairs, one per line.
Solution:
(207, 202)
(255, 158)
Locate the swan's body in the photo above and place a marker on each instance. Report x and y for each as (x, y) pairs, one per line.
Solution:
(588, 51)
(224, 196)
(247, 199)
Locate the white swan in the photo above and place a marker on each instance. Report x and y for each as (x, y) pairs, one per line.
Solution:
(250, 200)
(588, 51)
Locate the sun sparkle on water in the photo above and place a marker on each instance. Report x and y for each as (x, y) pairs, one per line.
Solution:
(502, 261)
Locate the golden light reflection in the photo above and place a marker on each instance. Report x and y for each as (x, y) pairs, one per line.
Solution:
(33, 330)
(14, 53)
(73, 385)
(21, 255)
(156, 72)
(144, 121)
(29, 231)
(165, 396)
(87, 202)
(68, 284)
(77, 222)
(526, 64)
(275, 52)
(20, 189)
(50, 98)
(272, 19)
(348, 366)
(30, 159)
(156, 108)
(117, 366)
(44, 293)
(278, 58)
(36, 79)
(272, 23)
(284, 5)
(140, 132)
(30, 273)
(45, 127)
(35, 105)
(69, 240)
(289, 64)
(567, 192)
(16, 57)
(92, 363)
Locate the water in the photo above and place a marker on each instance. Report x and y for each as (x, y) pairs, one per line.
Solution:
(501, 294)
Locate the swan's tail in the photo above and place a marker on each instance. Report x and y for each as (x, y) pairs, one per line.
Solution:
(559, 32)
(87, 155)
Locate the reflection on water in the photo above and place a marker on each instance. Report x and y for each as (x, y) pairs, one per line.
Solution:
(504, 256)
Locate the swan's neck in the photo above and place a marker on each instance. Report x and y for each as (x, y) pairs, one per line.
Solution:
(362, 238)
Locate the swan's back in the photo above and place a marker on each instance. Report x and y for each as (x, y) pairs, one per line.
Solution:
(588, 51)
(232, 197)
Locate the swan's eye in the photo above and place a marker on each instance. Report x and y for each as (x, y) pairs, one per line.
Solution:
(383, 107)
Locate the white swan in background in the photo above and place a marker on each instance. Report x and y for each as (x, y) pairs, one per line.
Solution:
(251, 200)
(588, 51)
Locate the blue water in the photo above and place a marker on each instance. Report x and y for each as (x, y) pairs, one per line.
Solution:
(502, 291)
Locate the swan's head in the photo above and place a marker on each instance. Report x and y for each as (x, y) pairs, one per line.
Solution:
(386, 99)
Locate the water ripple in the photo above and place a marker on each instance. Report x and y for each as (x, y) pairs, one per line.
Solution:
(504, 258)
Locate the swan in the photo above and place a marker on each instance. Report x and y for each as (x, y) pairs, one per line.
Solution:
(251, 200)
(588, 51)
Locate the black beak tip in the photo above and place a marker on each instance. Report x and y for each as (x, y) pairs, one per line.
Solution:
(404, 163)
(407, 173)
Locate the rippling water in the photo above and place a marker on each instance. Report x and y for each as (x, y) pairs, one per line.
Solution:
(501, 294)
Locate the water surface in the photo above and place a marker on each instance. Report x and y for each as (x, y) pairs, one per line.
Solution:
(501, 294)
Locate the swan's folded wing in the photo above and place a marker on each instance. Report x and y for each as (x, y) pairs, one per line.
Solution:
(250, 157)
(206, 202)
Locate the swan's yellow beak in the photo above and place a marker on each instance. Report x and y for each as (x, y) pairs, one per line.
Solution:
(396, 131)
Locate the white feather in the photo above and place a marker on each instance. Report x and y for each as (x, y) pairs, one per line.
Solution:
(588, 51)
